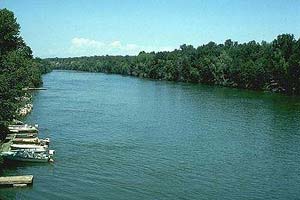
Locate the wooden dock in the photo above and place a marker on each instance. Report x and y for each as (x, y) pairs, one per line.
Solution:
(16, 181)
(29, 88)
(36, 88)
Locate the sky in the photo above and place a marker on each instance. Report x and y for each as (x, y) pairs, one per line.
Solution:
(68, 28)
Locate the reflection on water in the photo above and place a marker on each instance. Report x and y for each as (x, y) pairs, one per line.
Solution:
(126, 138)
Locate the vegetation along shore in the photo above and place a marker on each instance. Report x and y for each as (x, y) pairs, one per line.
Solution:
(18, 70)
(196, 117)
(269, 66)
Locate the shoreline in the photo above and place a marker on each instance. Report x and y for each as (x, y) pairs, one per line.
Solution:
(25, 108)
(183, 82)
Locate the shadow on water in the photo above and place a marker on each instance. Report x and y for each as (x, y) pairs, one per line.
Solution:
(128, 138)
(13, 166)
(10, 193)
(10, 168)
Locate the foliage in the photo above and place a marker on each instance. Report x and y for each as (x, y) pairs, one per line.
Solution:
(271, 66)
(17, 67)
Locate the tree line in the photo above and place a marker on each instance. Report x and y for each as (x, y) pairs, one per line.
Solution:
(273, 66)
(18, 68)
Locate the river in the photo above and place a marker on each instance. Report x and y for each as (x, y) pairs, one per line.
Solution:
(127, 138)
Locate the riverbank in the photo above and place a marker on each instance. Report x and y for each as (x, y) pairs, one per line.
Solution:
(18, 70)
(272, 66)
(24, 107)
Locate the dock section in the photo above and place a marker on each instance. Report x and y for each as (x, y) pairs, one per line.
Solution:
(30, 88)
(16, 181)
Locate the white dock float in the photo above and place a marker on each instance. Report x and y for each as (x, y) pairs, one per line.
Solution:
(16, 181)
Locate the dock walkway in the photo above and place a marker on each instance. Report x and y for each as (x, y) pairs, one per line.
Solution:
(16, 181)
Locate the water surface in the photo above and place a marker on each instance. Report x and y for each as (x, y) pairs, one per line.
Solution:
(127, 138)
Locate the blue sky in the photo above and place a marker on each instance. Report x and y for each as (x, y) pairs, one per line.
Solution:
(63, 28)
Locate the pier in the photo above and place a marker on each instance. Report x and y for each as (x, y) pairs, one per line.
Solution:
(30, 88)
(16, 181)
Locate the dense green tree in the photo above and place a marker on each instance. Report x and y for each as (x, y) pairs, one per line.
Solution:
(18, 69)
(271, 66)
(9, 32)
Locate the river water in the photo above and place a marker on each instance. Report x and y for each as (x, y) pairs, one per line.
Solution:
(127, 138)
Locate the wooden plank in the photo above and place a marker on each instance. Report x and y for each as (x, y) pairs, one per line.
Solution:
(12, 180)
(37, 88)
(19, 185)
(25, 89)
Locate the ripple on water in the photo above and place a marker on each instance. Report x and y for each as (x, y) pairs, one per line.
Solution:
(125, 138)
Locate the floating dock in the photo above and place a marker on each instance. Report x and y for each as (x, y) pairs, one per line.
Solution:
(16, 181)
(36, 88)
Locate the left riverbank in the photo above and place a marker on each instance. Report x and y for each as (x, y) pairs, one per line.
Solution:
(18, 70)
(24, 107)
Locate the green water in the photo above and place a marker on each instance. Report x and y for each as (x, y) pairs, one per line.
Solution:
(127, 138)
